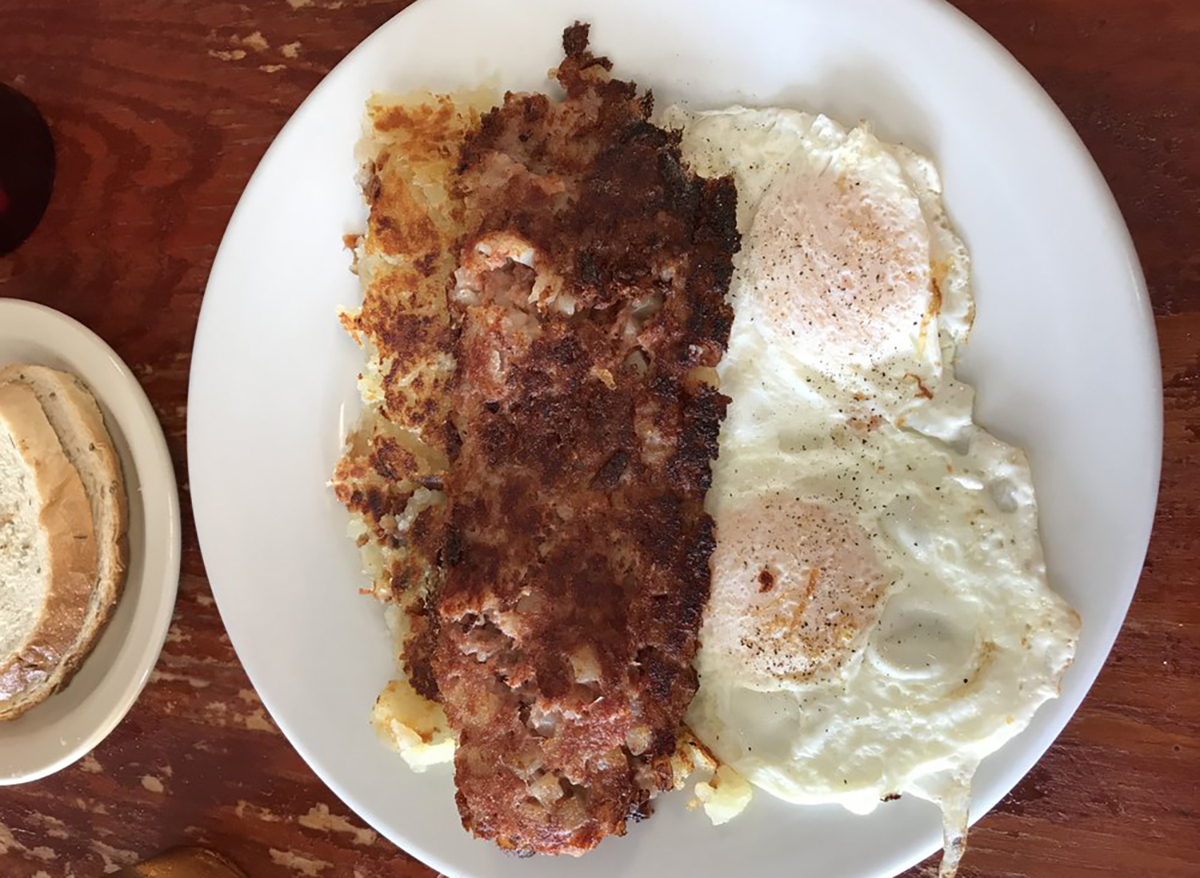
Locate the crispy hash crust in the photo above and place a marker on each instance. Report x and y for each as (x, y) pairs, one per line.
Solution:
(391, 474)
(589, 309)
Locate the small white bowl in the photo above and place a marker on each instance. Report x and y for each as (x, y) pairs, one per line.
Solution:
(70, 723)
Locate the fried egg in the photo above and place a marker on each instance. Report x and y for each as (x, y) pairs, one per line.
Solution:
(880, 617)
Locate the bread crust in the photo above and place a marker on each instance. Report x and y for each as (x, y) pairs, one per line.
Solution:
(28, 677)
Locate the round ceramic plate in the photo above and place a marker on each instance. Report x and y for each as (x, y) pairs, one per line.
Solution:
(1063, 356)
(70, 723)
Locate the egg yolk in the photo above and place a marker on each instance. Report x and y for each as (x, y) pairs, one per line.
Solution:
(799, 586)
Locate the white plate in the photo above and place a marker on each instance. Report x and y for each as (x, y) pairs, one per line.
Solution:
(1064, 357)
(69, 724)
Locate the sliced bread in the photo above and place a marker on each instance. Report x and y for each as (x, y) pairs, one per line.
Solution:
(75, 416)
(47, 554)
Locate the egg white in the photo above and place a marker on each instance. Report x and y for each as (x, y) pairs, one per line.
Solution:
(880, 617)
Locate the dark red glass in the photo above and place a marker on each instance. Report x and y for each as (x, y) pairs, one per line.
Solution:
(26, 168)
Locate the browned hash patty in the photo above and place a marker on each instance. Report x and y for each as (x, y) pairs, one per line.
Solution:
(590, 313)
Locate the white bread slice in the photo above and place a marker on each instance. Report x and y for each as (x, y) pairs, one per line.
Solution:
(47, 554)
(73, 413)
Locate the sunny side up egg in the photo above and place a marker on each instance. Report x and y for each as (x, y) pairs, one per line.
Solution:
(880, 617)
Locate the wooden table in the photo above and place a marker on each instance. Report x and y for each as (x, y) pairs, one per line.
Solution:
(161, 110)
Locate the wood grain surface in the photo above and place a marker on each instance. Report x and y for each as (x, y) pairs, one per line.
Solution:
(162, 108)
